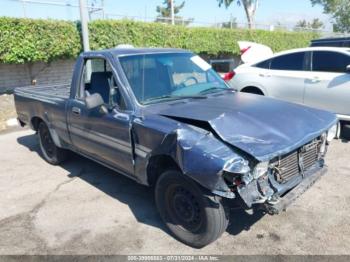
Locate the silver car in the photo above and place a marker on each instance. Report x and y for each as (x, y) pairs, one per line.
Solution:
(315, 76)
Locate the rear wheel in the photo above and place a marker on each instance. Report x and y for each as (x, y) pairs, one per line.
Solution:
(193, 216)
(50, 152)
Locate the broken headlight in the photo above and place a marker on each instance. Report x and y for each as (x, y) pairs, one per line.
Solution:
(323, 145)
(234, 169)
(332, 132)
(260, 169)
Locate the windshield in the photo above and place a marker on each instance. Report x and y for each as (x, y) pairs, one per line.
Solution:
(170, 76)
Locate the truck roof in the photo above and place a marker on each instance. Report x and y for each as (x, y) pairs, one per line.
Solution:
(137, 51)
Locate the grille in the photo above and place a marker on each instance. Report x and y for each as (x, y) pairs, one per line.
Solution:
(309, 154)
(292, 164)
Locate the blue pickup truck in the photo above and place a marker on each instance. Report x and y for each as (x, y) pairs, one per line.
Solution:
(165, 119)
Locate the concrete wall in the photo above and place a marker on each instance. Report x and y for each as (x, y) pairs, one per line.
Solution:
(12, 76)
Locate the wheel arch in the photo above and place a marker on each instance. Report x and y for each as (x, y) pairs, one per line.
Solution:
(158, 164)
(253, 90)
(35, 121)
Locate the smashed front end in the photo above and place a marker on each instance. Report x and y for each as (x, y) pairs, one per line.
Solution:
(240, 154)
(276, 183)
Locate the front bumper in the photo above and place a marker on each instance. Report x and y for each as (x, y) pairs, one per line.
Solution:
(281, 203)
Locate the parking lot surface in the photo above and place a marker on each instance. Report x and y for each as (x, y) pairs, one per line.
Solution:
(83, 208)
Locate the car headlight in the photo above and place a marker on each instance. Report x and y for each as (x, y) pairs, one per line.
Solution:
(332, 132)
(260, 169)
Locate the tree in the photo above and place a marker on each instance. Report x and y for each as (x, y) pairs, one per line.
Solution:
(230, 24)
(250, 7)
(165, 13)
(340, 11)
(315, 24)
(302, 24)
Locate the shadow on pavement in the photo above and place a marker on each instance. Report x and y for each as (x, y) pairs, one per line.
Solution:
(241, 220)
(138, 197)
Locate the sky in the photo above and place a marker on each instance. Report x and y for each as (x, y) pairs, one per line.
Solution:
(286, 12)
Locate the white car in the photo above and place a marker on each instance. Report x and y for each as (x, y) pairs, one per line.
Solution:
(315, 76)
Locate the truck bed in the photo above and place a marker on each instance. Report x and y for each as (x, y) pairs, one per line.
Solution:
(61, 91)
(45, 102)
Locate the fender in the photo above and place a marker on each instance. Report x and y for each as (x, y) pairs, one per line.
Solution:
(199, 155)
(56, 139)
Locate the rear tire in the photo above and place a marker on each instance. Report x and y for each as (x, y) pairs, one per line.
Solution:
(193, 216)
(50, 152)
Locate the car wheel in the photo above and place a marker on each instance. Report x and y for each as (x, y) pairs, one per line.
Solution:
(50, 152)
(193, 216)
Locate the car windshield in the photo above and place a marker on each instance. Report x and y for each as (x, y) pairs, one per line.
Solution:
(170, 76)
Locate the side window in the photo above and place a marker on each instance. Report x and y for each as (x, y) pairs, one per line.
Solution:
(98, 78)
(91, 66)
(264, 64)
(325, 61)
(294, 62)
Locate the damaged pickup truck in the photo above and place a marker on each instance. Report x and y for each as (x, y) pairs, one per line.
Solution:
(164, 118)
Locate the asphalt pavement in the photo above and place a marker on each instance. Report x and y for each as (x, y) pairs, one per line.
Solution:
(81, 207)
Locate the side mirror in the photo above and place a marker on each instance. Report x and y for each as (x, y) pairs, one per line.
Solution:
(347, 70)
(94, 101)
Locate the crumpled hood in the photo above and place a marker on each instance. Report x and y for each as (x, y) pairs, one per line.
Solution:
(262, 127)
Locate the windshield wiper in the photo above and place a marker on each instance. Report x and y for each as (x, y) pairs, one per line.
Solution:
(211, 89)
(172, 97)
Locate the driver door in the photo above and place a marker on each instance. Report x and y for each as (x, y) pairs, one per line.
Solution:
(101, 134)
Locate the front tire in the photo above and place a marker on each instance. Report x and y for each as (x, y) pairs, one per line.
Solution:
(50, 152)
(193, 216)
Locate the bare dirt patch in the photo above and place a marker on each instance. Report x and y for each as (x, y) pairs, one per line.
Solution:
(7, 110)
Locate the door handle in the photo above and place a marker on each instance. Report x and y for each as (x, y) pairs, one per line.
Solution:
(264, 75)
(315, 79)
(76, 110)
(122, 116)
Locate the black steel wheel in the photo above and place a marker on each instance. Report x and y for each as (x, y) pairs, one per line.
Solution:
(50, 152)
(194, 216)
(184, 207)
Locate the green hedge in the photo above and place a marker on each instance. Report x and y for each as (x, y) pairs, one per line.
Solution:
(109, 33)
(29, 40)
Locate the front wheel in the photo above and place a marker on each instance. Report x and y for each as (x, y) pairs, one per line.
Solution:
(193, 216)
(50, 152)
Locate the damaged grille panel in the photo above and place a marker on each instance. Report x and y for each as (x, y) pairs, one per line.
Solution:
(297, 162)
